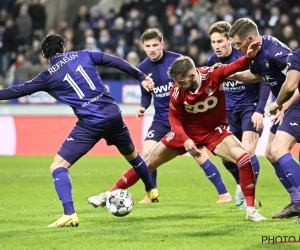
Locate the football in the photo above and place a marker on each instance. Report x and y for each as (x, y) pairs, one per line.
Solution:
(120, 202)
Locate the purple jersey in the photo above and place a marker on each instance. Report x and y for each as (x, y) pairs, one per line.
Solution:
(241, 95)
(158, 71)
(73, 79)
(270, 63)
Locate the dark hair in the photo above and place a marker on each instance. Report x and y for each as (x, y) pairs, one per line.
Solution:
(243, 28)
(181, 67)
(221, 27)
(53, 44)
(152, 33)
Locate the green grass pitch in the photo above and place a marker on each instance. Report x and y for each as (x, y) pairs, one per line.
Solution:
(186, 218)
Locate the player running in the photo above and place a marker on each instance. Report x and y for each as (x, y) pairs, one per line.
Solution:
(197, 116)
(245, 103)
(270, 66)
(73, 79)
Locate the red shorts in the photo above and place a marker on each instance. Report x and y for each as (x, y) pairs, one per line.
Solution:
(209, 139)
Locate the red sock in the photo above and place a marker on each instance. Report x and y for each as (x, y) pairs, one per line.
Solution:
(127, 180)
(247, 181)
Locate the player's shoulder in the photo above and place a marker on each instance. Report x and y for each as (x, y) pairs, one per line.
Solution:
(213, 59)
(275, 46)
(144, 64)
(293, 60)
(171, 54)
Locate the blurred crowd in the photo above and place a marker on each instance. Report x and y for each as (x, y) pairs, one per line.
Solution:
(184, 23)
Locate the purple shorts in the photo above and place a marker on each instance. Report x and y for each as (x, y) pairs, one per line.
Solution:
(83, 138)
(291, 121)
(240, 121)
(157, 131)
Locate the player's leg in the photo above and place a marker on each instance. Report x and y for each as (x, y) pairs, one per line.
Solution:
(235, 126)
(293, 192)
(286, 137)
(155, 133)
(249, 140)
(78, 143)
(213, 174)
(158, 156)
(234, 122)
(227, 146)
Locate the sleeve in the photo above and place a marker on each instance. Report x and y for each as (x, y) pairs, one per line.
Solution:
(293, 61)
(121, 64)
(264, 94)
(28, 88)
(95, 56)
(253, 70)
(226, 70)
(146, 96)
(175, 112)
(210, 61)
(279, 58)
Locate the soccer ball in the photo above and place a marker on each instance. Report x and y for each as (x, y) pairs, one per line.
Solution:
(120, 202)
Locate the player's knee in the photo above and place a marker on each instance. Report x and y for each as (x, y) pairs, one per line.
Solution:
(126, 150)
(58, 162)
(268, 155)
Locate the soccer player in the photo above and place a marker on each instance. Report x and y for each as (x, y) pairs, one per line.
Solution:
(270, 66)
(284, 141)
(197, 115)
(245, 103)
(73, 79)
(156, 65)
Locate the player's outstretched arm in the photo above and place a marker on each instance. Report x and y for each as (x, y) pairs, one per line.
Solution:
(245, 76)
(28, 88)
(242, 63)
(120, 64)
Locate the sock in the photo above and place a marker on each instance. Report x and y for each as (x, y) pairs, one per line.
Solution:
(291, 169)
(281, 176)
(141, 169)
(213, 174)
(294, 194)
(247, 179)
(233, 169)
(256, 167)
(63, 186)
(154, 177)
(127, 180)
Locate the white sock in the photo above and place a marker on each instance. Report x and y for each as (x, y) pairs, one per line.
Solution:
(250, 209)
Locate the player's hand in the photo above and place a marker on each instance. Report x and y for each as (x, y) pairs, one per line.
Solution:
(253, 48)
(140, 112)
(258, 121)
(278, 117)
(148, 83)
(273, 108)
(191, 148)
(217, 65)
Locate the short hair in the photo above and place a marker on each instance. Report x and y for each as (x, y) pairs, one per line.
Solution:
(53, 44)
(152, 33)
(243, 27)
(220, 27)
(180, 67)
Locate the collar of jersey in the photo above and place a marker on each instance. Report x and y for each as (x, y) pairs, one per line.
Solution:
(197, 89)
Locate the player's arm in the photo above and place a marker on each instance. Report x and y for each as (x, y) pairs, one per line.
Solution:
(288, 93)
(245, 76)
(103, 59)
(146, 98)
(175, 111)
(264, 94)
(27, 88)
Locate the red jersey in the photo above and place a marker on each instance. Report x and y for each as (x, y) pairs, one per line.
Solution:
(195, 113)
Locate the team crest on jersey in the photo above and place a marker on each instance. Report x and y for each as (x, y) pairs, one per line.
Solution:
(267, 64)
(208, 91)
(170, 136)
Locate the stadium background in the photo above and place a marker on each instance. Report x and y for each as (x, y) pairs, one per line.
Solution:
(37, 125)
